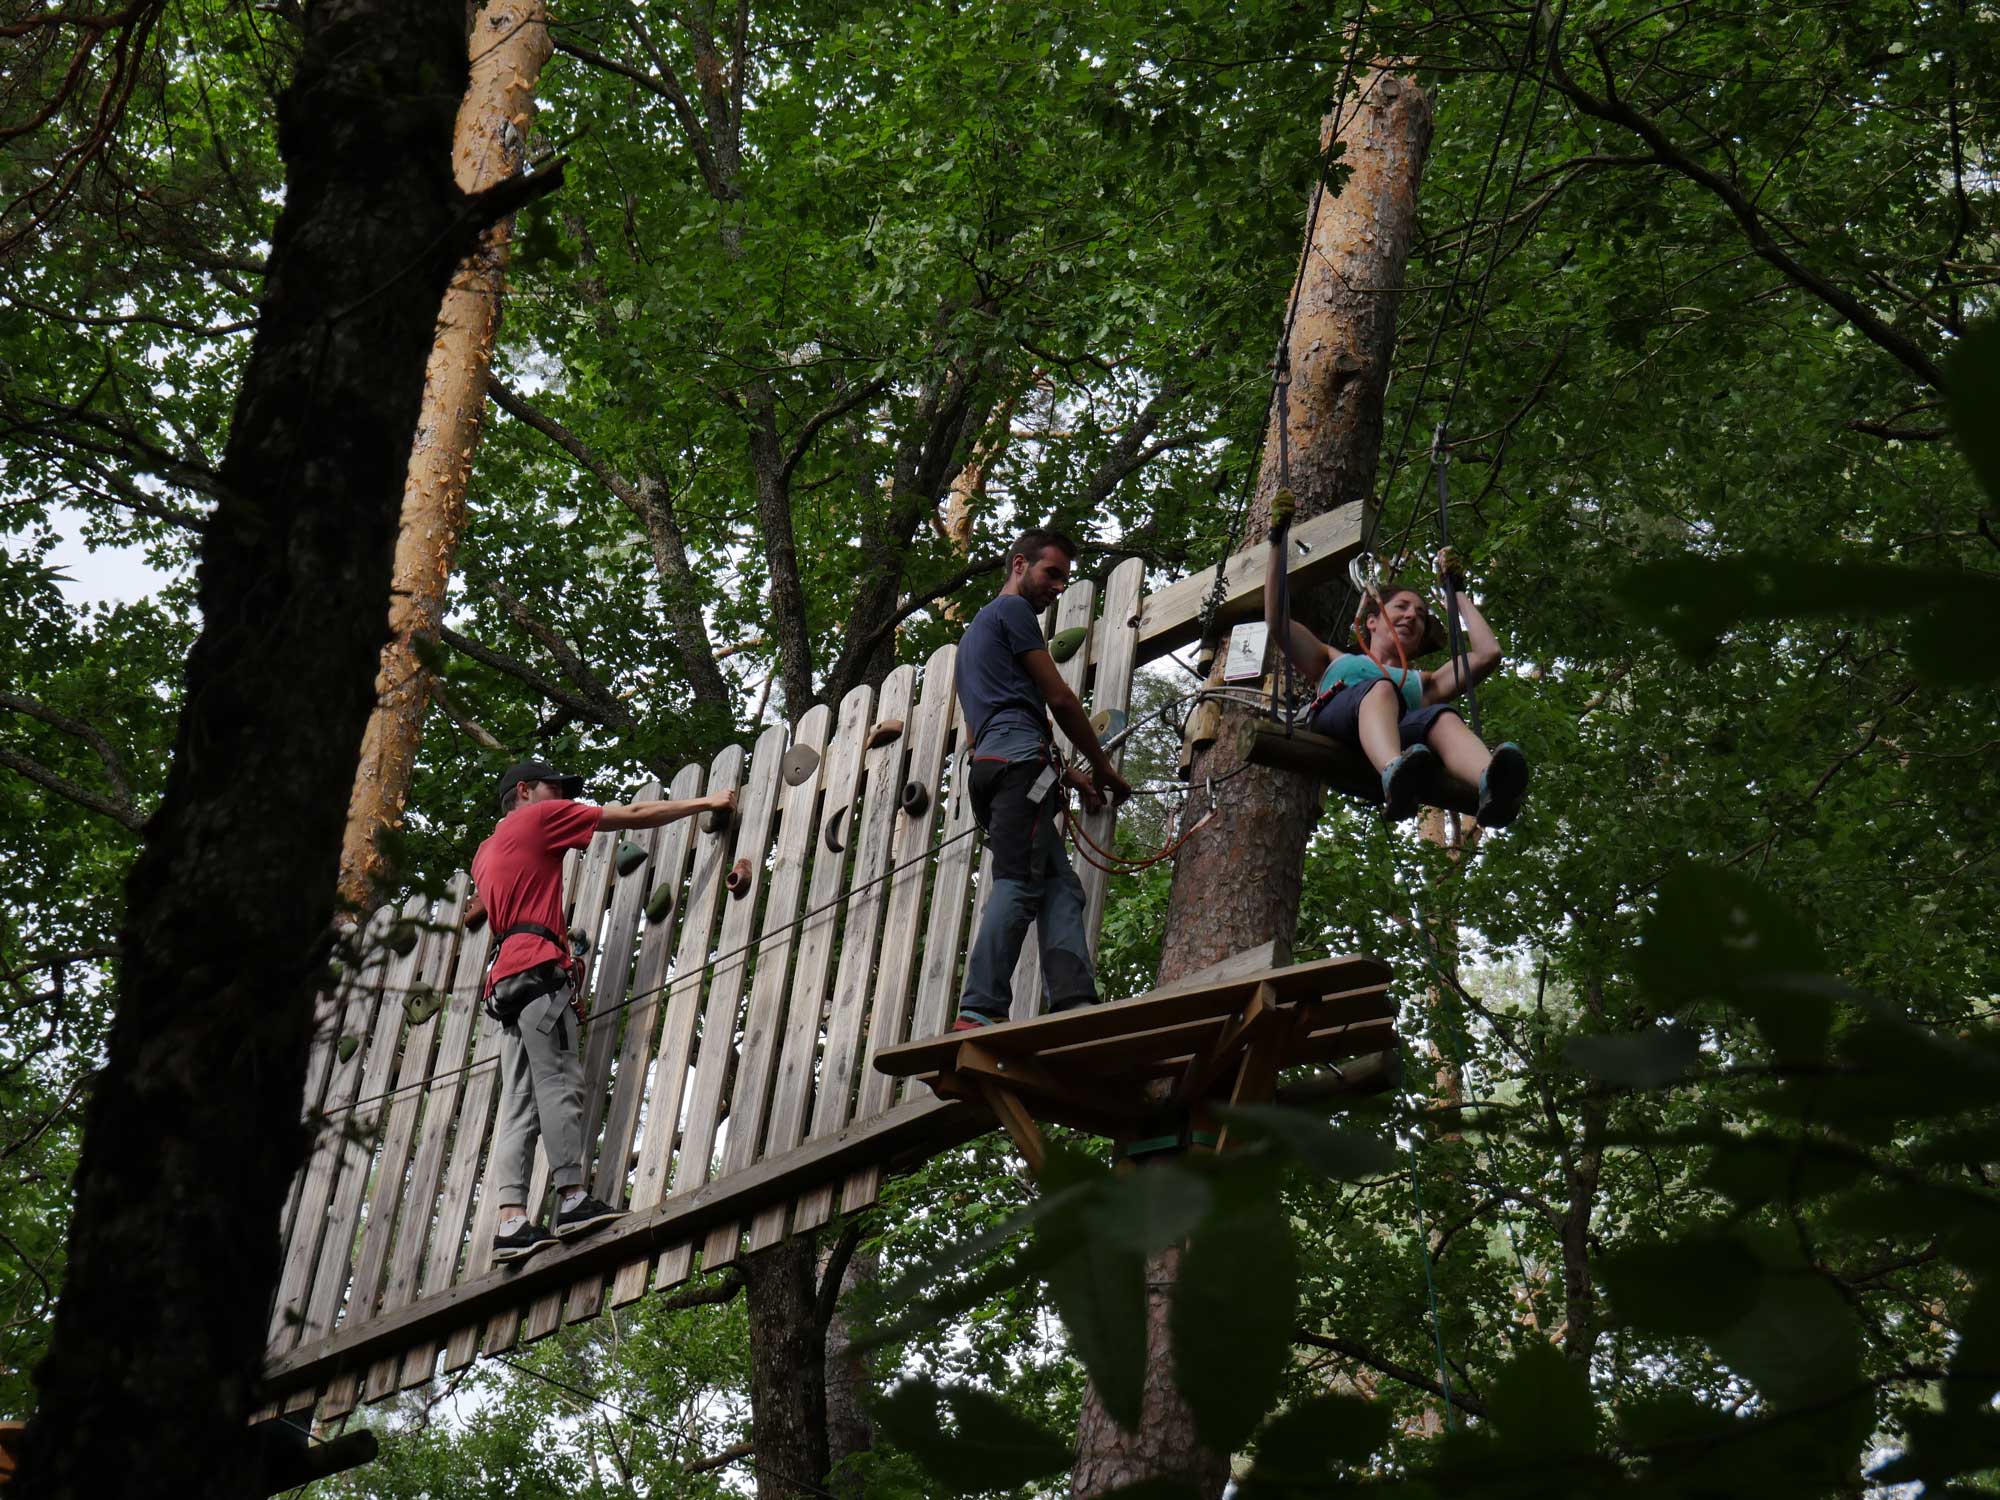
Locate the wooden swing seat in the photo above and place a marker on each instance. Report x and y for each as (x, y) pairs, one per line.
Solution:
(1344, 770)
(1099, 1069)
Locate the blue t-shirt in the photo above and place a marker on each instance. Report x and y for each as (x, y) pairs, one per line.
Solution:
(1350, 667)
(1003, 709)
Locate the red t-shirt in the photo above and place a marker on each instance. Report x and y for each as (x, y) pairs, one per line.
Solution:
(519, 875)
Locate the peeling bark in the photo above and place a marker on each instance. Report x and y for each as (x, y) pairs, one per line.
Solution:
(1238, 884)
(509, 44)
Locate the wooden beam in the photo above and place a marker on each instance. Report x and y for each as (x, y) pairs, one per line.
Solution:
(1257, 1074)
(923, 1125)
(1035, 1078)
(1320, 548)
(1206, 1065)
(1015, 1119)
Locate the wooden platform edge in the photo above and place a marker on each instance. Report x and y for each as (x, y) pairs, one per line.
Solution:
(918, 1126)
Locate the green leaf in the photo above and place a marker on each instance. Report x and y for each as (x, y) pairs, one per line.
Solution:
(1695, 1285)
(1972, 384)
(1100, 1290)
(1234, 1306)
(1541, 1401)
(986, 1446)
(1149, 1209)
(1648, 1059)
(1714, 933)
(1301, 1136)
(1299, 1446)
(1799, 1343)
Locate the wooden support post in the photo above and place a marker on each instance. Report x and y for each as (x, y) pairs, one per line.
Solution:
(1259, 1014)
(1016, 1121)
(1257, 1075)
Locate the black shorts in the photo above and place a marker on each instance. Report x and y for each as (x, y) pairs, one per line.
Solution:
(1339, 718)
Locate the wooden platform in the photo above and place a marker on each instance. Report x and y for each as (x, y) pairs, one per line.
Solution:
(1117, 1069)
(1343, 770)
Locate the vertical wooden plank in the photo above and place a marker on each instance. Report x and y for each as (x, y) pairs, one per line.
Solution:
(1075, 608)
(661, 1126)
(385, 1220)
(945, 932)
(616, 952)
(356, 1130)
(358, 993)
(617, 1169)
(792, 1089)
(889, 1015)
(668, 867)
(833, 1105)
(764, 1014)
(1117, 641)
(327, 1006)
(430, 1192)
(715, 1059)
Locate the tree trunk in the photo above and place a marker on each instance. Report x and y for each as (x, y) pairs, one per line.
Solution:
(509, 44)
(848, 1430)
(787, 1370)
(193, 1132)
(1238, 884)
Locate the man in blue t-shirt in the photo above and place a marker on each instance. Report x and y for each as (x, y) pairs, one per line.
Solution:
(1008, 687)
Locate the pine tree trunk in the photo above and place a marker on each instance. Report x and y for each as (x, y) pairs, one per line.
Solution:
(848, 1430)
(787, 1370)
(193, 1132)
(509, 44)
(1238, 883)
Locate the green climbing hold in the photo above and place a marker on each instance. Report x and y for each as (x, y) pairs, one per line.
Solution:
(630, 856)
(402, 938)
(349, 1045)
(661, 905)
(1065, 643)
(423, 1003)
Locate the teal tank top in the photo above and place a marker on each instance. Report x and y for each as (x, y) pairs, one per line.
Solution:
(1350, 667)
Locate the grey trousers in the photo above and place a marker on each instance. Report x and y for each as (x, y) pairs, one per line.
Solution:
(541, 1096)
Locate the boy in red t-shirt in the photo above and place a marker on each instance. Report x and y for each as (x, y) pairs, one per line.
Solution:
(529, 990)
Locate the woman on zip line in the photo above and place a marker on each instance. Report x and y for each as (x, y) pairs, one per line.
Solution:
(1373, 700)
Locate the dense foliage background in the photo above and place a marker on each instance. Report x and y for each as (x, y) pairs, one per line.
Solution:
(1699, 1099)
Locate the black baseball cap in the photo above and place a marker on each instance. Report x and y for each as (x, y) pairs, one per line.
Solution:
(535, 770)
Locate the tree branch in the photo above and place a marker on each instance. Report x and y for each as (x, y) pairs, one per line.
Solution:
(1749, 218)
(1469, 1404)
(839, 407)
(732, 1454)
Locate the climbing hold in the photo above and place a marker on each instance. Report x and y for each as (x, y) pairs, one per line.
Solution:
(916, 798)
(629, 857)
(799, 764)
(402, 938)
(349, 1045)
(422, 1003)
(1108, 721)
(886, 732)
(718, 820)
(660, 905)
(1065, 643)
(475, 919)
(579, 942)
(738, 879)
(833, 822)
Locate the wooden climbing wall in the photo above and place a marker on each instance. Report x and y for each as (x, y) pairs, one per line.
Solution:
(728, 1098)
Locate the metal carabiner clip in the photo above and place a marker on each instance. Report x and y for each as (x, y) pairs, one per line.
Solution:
(1363, 573)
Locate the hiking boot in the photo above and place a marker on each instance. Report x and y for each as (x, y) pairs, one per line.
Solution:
(1404, 781)
(1502, 786)
(587, 1215)
(527, 1238)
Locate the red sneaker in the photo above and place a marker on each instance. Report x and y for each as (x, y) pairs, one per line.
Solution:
(966, 1023)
